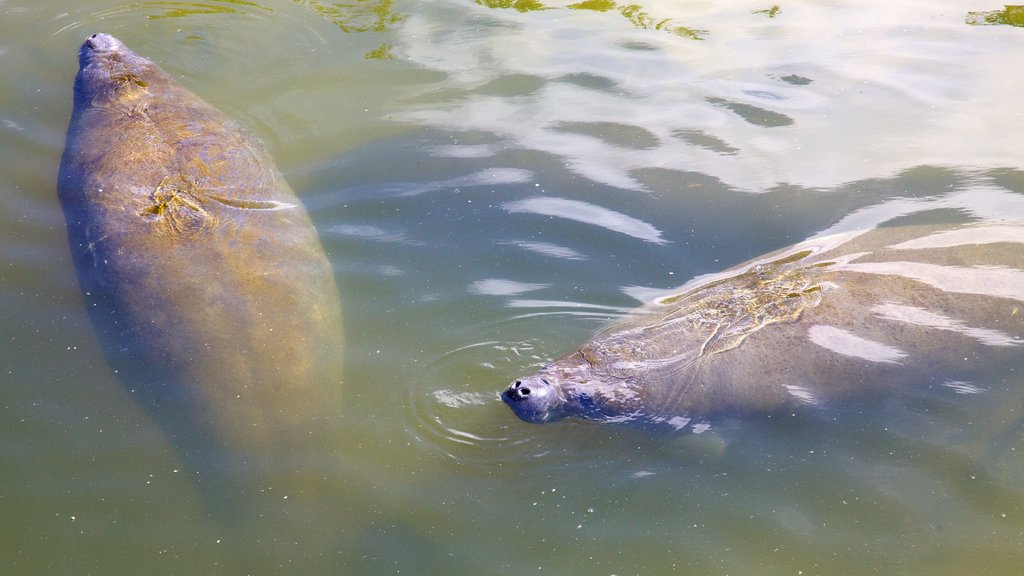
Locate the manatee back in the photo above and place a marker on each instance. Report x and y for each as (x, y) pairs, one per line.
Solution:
(832, 318)
(201, 269)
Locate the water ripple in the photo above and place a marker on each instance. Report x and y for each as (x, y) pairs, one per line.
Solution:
(456, 408)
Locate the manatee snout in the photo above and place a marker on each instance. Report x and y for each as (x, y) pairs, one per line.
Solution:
(533, 399)
(102, 43)
(518, 391)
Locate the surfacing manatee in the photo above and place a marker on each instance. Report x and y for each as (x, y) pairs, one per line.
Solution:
(845, 314)
(203, 274)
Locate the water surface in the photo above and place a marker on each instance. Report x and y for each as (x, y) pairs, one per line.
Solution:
(494, 181)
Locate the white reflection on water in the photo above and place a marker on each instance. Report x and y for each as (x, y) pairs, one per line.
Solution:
(984, 280)
(823, 94)
(488, 177)
(921, 317)
(588, 214)
(368, 232)
(502, 287)
(465, 151)
(961, 387)
(999, 214)
(643, 293)
(994, 205)
(849, 344)
(962, 236)
(453, 399)
(548, 249)
(801, 393)
(567, 307)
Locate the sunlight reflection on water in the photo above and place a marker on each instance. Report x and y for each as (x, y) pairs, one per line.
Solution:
(755, 102)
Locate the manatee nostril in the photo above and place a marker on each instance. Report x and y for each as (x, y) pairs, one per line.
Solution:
(518, 391)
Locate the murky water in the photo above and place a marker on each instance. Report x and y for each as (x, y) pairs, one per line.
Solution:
(493, 182)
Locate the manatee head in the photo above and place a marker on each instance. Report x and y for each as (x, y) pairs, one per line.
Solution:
(536, 399)
(110, 71)
(99, 44)
(573, 386)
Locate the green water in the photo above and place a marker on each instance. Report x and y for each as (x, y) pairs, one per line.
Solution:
(421, 135)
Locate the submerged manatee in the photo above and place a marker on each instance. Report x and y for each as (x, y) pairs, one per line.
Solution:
(842, 315)
(202, 272)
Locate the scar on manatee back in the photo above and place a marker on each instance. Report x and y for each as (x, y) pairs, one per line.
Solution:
(180, 204)
(129, 79)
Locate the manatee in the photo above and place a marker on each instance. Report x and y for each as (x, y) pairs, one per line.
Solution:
(202, 272)
(848, 314)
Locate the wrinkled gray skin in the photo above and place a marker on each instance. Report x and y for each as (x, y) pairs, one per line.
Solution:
(844, 315)
(202, 272)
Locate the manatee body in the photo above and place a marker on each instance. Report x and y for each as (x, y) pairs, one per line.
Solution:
(202, 272)
(844, 315)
